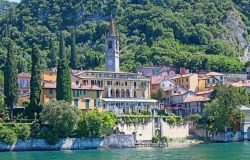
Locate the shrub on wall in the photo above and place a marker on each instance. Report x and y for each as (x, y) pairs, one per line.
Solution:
(171, 120)
(155, 139)
(164, 139)
(7, 135)
(96, 124)
(22, 131)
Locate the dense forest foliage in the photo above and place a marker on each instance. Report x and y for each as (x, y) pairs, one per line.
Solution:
(4, 6)
(151, 32)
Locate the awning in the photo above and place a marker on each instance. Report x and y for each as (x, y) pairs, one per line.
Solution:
(129, 100)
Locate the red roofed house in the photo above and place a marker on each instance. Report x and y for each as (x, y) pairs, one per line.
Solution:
(195, 104)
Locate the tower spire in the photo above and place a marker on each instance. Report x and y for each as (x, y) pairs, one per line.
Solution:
(111, 26)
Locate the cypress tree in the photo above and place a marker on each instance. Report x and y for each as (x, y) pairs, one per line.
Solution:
(10, 79)
(73, 60)
(35, 83)
(52, 56)
(63, 80)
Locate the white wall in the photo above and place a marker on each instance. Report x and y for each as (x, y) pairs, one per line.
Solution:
(147, 131)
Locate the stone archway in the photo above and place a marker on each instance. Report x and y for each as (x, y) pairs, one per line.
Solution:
(157, 133)
(127, 93)
(123, 93)
(117, 93)
(112, 93)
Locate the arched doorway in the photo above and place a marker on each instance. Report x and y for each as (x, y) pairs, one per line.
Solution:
(158, 133)
(117, 93)
(127, 93)
(112, 93)
(123, 94)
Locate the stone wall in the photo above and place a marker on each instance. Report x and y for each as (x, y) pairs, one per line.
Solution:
(175, 131)
(114, 141)
(147, 130)
(220, 137)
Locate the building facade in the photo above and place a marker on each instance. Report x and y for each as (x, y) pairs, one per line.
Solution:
(187, 81)
(24, 83)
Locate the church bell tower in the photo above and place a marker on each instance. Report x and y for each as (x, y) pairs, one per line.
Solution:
(112, 49)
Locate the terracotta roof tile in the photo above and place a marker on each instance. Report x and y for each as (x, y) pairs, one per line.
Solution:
(50, 84)
(24, 75)
(195, 99)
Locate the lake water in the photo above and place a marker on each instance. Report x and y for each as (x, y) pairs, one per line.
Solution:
(226, 151)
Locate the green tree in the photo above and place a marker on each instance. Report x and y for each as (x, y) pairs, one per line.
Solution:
(61, 117)
(223, 110)
(53, 54)
(73, 56)
(35, 83)
(96, 124)
(10, 79)
(63, 80)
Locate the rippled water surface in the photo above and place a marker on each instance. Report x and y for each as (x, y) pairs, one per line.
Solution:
(227, 151)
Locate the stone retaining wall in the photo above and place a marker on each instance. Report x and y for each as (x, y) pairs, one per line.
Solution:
(114, 141)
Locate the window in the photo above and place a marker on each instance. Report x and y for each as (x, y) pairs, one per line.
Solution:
(126, 83)
(82, 92)
(86, 103)
(109, 83)
(187, 79)
(76, 103)
(134, 84)
(96, 102)
(50, 91)
(97, 94)
(77, 82)
(75, 93)
(85, 82)
(135, 94)
(110, 44)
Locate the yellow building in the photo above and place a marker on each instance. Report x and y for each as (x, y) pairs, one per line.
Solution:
(48, 75)
(83, 96)
(123, 91)
(209, 80)
(187, 81)
(202, 84)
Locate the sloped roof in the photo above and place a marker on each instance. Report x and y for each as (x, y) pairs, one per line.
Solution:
(23, 74)
(50, 84)
(214, 74)
(158, 79)
(195, 99)
(241, 84)
(183, 76)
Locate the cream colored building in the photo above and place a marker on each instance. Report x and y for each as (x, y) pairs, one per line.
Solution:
(123, 92)
(187, 81)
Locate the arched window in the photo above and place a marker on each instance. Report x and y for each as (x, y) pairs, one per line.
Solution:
(110, 44)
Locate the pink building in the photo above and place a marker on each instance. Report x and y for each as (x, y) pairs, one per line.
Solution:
(23, 83)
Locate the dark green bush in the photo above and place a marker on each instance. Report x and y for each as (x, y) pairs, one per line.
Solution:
(7, 135)
(171, 120)
(155, 139)
(164, 139)
(22, 131)
(50, 137)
